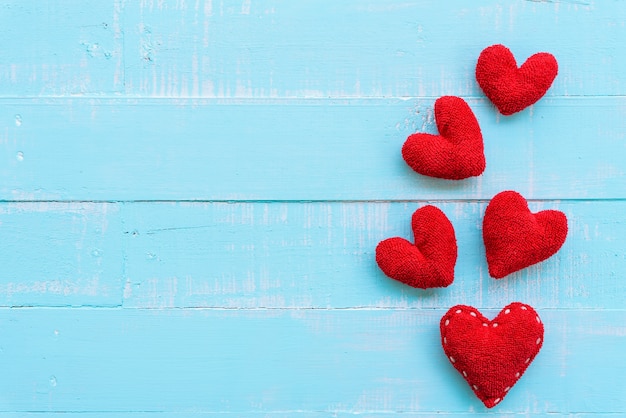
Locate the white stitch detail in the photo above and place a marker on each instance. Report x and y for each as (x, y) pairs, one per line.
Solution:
(458, 311)
(496, 401)
(484, 324)
(508, 311)
(452, 359)
(473, 313)
(517, 374)
(524, 308)
(538, 320)
(475, 387)
(495, 324)
(506, 389)
(527, 360)
(447, 322)
(538, 341)
(464, 373)
(445, 341)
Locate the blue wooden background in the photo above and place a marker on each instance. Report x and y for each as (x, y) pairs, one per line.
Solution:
(191, 192)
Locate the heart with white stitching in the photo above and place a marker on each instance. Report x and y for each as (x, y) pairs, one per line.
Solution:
(491, 355)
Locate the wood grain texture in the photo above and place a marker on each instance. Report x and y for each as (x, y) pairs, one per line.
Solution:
(191, 192)
(353, 48)
(60, 254)
(61, 47)
(238, 361)
(283, 255)
(298, 150)
(310, 255)
(309, 48)
(286, 414)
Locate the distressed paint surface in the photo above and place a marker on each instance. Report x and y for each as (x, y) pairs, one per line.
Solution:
(60, 254)
(298, 150)
(191, 193)
(314, 255)
(240, 361)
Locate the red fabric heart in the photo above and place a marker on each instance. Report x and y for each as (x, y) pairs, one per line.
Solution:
(491, 355)
(510, 88)
(516, 238)
(427, 263)
(457, 153)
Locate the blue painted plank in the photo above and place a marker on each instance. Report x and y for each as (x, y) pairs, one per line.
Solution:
(60, 254)
(240, 361)
(319, 255)
(279, 255)
(307, 414)
(298, 49)
(352, 48)
(303, 414)
(297, 150)
(61, 48)
(295, 102)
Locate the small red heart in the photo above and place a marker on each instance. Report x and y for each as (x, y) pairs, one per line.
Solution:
(516, 238)
(427, 263)
(510, 88)
(457, 153)
(491, 355)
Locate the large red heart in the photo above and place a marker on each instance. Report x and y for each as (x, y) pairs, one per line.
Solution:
(515, 237)
(491, 355)
(510, 88)
(427, 263)
(457, 152)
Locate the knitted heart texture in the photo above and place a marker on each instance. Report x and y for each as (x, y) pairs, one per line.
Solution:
(491, 355)
(516, 238)
(427, 263)
(457, 152)
(513, 89)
